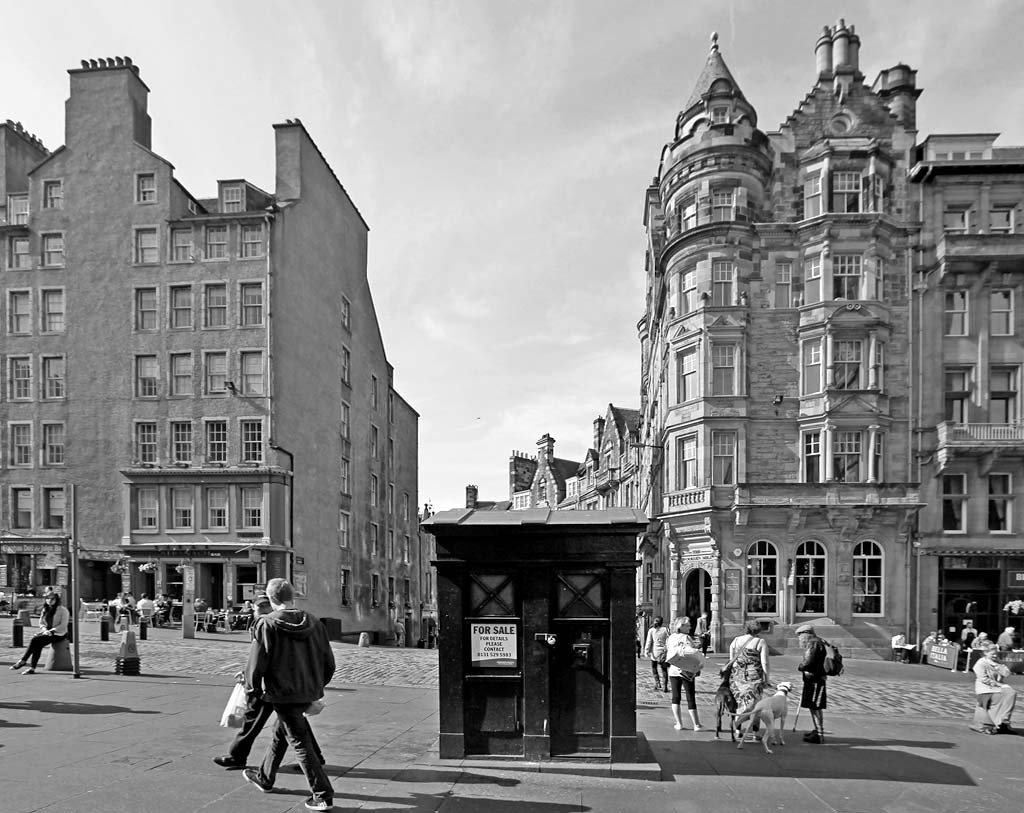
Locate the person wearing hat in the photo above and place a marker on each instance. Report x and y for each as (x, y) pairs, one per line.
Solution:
(257, 712)
(812, 667)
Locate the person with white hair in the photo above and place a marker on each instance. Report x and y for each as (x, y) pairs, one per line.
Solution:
(1005, 639)
(996, 699)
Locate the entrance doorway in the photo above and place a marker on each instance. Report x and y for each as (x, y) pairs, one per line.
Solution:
(696, 593)
(970, 593)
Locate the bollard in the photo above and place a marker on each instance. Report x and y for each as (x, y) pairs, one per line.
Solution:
(17, 633)
(143, 626)
(364, 639)
(105, 628)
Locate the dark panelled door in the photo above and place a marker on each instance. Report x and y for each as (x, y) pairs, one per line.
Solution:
(580, 700)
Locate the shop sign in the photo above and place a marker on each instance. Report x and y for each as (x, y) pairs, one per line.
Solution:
(3, 576)
(32, 547)
(1015, 579)
(944, 655)
(657, 581)
(493, 645)
(62, 576)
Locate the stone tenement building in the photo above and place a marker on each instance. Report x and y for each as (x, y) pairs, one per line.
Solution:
(196, 382)
(783, 440)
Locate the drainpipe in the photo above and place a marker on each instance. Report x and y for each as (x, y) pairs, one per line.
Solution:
(291, 499)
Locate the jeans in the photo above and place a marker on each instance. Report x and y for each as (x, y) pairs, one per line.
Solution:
(257, 712)
(37, 645)
(292, 728)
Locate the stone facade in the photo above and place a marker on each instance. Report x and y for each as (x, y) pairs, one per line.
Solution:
(201, 381)
(775, 399)
(967, 325)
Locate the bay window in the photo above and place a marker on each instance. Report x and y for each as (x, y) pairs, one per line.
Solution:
(723, 369)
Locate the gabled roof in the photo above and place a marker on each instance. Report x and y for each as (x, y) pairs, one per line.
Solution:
(627, 421)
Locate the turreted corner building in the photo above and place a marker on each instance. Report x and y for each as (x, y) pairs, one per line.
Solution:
(196, 381)
(776, 366)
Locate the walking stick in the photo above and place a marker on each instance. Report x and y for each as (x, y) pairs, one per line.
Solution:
(796, 718)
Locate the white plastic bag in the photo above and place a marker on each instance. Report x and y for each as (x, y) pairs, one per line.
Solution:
(234, 711)
(315, 708)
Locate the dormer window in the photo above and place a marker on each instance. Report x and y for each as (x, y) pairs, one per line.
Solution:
(720, 115)
(232, 198)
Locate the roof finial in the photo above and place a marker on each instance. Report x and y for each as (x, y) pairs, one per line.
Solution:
(714, 42)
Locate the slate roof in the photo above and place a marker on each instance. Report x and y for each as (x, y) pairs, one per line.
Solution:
(714, 70)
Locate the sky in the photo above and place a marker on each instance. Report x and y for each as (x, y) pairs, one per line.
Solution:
(500, 152)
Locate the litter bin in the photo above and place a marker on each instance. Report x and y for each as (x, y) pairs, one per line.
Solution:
(538, 609)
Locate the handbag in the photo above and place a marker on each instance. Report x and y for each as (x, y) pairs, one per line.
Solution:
(685, 657)
(234, 711)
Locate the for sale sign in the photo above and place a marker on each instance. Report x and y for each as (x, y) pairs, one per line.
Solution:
(493, 645)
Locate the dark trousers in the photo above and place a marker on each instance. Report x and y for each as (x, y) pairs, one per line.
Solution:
(256, 715)
(292, 728)
(37, 645)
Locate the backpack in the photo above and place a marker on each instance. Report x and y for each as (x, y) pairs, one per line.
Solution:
(833, 660)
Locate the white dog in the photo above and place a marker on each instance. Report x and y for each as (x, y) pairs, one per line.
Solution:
(769, 711)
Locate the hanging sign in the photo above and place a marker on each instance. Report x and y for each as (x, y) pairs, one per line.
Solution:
(493, 645)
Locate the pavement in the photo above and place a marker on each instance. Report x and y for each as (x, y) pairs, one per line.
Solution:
(897, 739)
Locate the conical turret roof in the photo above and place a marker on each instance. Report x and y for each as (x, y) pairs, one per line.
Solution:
(715, 70)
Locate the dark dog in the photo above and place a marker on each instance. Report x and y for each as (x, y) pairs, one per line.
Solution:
(725, 703)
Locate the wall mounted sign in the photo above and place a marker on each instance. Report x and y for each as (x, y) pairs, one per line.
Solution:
(493, 645)
(732, 588)
(1015, 579)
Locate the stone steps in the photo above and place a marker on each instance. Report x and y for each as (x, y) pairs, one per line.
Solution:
(857, 641)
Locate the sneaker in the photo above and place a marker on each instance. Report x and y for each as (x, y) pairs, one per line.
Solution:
(313, 804)
(30, 671)
(698, 728)
(1006, 728)
(813, 737)
(677, 727)
(252, 775)
(17, 666)
(229, 762)
(985, 728)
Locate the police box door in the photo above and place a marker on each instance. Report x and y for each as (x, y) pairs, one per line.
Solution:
(579, 678)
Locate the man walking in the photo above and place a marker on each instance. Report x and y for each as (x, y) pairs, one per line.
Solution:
(813, 669)
(257, 711)
(290, 663)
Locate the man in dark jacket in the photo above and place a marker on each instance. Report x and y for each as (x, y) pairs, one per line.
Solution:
(812, 667)
(257, 711)
(290, 663)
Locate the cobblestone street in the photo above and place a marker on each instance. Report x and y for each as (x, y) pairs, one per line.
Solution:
(867, 687)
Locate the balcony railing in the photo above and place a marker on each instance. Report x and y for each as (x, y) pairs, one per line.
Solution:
(699, 497)
(980, 434)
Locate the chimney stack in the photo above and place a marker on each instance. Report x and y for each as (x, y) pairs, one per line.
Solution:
(471, 496)
(823, 54)
(598, 433)
(546, 448)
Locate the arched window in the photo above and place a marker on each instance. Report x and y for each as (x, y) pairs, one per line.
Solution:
(868, 580)
(762, 578)
(810, 578)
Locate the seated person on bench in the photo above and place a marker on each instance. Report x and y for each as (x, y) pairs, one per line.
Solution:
(53, 627)
(995, 699)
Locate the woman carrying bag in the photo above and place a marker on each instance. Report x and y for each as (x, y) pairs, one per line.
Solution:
(748, 655)
(685, 661)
